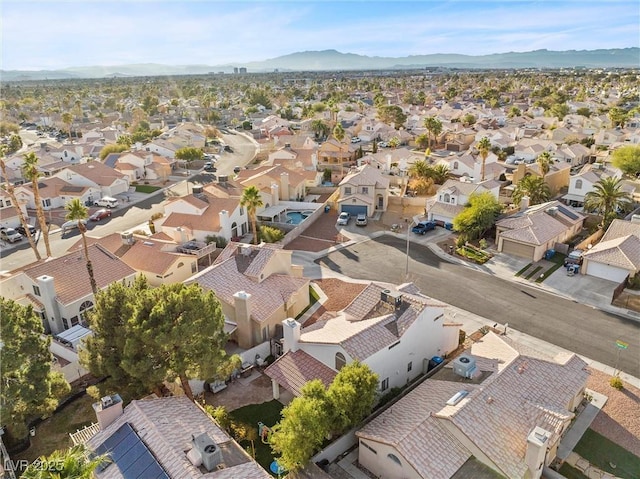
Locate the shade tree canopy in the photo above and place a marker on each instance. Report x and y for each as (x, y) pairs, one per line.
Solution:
(477, 216)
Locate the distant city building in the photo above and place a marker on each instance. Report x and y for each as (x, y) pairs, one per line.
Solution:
(243, 70)
(235, 70)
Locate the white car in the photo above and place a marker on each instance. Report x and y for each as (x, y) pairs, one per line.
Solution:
(355, 139)
(361, 220)
(343, 219)
(71, 224)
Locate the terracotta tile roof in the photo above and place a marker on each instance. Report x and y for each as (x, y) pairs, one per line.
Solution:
(209, 220)
(497, 415)
(71, 278)
(366, 176)
(623, 252)
(227, 189)
(367, 325)
(293, 370)
(166, 426)
(536, 226)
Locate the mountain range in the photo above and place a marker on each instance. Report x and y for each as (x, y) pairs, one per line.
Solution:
(332, 60)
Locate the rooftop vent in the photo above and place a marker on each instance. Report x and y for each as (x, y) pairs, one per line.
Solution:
(553, 211)
(106, 401)
(393, 298)
(127, 238)
(457, 397)
(465, 366)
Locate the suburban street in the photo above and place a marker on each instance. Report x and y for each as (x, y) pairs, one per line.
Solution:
(570, 325)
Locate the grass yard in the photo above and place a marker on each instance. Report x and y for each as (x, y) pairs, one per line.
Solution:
(558, 259)
(533, 273)
(53, 433)
(146, 188)
(601, 452)
(269, 414)
(521, 272)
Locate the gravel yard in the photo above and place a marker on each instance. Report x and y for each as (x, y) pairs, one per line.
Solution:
(619, 420)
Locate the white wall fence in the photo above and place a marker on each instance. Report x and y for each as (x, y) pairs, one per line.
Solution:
(263, 349)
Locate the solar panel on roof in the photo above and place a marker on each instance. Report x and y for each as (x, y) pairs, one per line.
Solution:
(132, 456)
(567, 213)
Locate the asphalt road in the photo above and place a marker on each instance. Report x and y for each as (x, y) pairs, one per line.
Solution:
(575, 327)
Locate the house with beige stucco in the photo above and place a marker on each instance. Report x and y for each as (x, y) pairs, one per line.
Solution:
(364, 190)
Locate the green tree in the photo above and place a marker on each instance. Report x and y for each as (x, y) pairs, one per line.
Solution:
(303, 427)
(15, 143)
(320, 128)
(514, 111)
(76, 211)
(392, 114)
(440, 173)
(189, 154)
(534, 188)
(559, 110)
(113, 148)
(104, 351)
(606, 198)
(422, 141)
(434, 128)
(74, 463)
(584, 111)
(394, 142)
(484, 147)
(270, 234)
(627, 159)
(14, 200)
(29, 387)
(252, 200)
(617, 116)
(477, 216)
(67, 119)
(180, 330)
(419, 168)
(468, 120)
(338, 132)
(544, 162)
(30, 172)
(352, 394)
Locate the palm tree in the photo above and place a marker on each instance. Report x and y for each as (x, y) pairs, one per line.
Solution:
(544, 162)
(534, 187)
(11, 191)
(433, 126)
(483, 146)
(78, 212)
(319, 128)
(67, 119)
(606, 198)
(30, 172)
(252, 200)
(440, 173)
(73, 463)
(338, 132)
(419, 169)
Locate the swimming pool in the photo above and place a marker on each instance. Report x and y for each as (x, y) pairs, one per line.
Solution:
(295, 217)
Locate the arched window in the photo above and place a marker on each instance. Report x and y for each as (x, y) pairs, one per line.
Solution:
(395, 459)
(447, 197)
(455, 165)
(578, 184)
(340, 361)
(84, 307)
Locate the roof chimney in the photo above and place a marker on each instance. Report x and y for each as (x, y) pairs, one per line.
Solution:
(291, 335)
(108, 409)
(524, 203)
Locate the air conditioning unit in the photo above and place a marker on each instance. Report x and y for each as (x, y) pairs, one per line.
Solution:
(209, 451)
(553, 211)
(464, 366)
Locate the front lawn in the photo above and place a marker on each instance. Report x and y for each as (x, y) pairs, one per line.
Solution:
(268, 413)
(147, 188)
(603, 453)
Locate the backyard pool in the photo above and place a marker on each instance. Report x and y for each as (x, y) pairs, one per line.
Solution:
(297, 217)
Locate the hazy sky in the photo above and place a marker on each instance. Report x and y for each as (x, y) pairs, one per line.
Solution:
(54, 34)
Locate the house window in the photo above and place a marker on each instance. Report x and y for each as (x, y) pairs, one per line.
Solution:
(46, 203)
(7, 203)
(242, 210)
(65, 323)
(36, 290)
(394, 458)
(453, 200)
(365, 190)
(578, 184)
(84, 307)
(410, 366)
(265, 333)
(74, 321)
(347, 190)
(447, 197)
(194, 267)
(66, 154)
(340, 361)
(384, 385)
(455, 165)
(41, 315)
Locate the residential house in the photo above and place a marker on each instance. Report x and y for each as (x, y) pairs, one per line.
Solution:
(459, 139)
(55, 193)
(96, 175)
(395, 331)
(258, 288)
(364, 190)
(556, 178)
(163, 147)
(471, 167)
(196, 216)
(535, 229)
(584, 182)
(169, 437)
(393, 160)
(617, 255)
(9, 217)
(59, 289)
(155, 257)
(491, 411)
(575, 155)
(138, 165)
(453, 195)
(291, 184)
(336, 155)
(297, 159)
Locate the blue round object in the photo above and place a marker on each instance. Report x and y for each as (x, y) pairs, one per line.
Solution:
(276, 468)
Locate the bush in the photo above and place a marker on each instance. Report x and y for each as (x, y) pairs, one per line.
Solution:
(461, 337)
(269, 234)
(156, 216)
(392, 394)
(616, 382)
(218, 240)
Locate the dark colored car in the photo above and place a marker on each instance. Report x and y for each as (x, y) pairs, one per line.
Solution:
(100, 214)
(228, 149)
(424, 226)
(20, 229)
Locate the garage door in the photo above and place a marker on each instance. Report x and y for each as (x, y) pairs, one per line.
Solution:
(517, 249)
(604, 271)
(354, 210)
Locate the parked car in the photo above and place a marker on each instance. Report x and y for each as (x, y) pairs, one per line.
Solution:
(100, 214)
(228, 148)
(355, 139)
(424, 226)
(361, 220)
(20, 229)
(575, 257)
(107, 202)
(343, 219)
(71, 224)
(10, 235)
